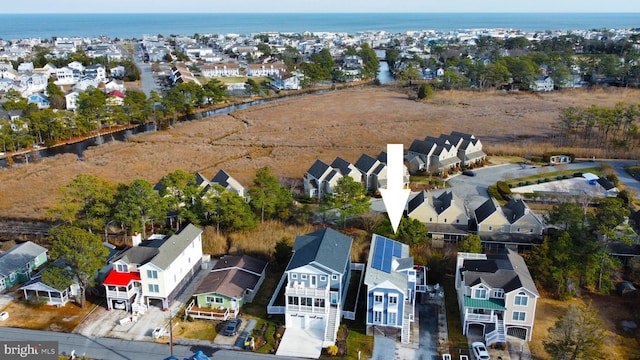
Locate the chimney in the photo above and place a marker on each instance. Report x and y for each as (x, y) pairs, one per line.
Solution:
(136, 239)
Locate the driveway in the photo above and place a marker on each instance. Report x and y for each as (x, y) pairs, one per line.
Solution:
(304, 343)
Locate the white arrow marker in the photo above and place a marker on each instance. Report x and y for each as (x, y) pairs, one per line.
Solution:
(395, 196)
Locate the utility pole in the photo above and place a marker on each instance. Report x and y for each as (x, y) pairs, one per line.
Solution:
(171, 332)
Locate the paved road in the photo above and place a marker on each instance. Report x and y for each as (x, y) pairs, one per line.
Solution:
(117, 349)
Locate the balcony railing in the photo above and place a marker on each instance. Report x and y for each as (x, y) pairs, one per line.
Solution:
(306, 309)
(115, 294)
(480, 318)
(314, 292)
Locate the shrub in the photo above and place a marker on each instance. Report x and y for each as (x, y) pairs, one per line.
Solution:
(578, 174)
(332, 350)
(504, 189)
(494, 193)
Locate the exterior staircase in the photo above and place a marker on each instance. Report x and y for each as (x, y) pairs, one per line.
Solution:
(332, 325)
(138, 306)
(407, 319)
(498, 335)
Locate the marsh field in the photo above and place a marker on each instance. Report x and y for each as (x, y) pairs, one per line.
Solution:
(290, 135)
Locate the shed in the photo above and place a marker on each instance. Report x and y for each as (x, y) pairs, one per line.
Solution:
(625, 288)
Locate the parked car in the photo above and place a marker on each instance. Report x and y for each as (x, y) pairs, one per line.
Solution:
(232, 327)
(120, 305)
(4, 316)
(479, 351)
(469, 173)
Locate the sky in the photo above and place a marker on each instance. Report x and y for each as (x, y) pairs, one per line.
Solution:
(303, 6)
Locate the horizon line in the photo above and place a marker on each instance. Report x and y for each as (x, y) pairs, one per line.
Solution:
(323, 12)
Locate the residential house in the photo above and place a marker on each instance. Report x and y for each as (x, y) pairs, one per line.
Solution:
(542, 83)
(445, 215)
(40, 99)
(265, 70)
(115, 97)
(496, 294)
(321, 178)
(233, 281)
(469, 148)
(65, 76)
(154, 271)
(392, 284)
(112, 85)
(118, 72)
(374, 172)
(181, 74)
(220, 70)
(406, 177)
(286, 81)
(38, 290)
(559, 159)
(512, 223)
(18, 263)
(225, 180)
(97, 71)
(316, 281)
(72, 100)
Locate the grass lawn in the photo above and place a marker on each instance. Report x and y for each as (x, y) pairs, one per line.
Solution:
(634, 171)
(454, 325)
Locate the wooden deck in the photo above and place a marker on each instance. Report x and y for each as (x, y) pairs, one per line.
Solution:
(210, 313)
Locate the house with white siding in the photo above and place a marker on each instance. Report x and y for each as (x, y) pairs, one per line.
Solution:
(154, 271)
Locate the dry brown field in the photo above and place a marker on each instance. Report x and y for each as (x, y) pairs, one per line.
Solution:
(289, 135)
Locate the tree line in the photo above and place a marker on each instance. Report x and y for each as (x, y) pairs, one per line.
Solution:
(599, 126)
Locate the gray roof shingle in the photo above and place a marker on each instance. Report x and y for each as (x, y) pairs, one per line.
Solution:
(326, 247)
(504, 270)
(19, 256)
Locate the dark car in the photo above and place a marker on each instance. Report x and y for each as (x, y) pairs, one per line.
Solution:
(469, 173)
(232, 327)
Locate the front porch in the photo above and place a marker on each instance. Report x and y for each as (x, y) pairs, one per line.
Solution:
(211, 313)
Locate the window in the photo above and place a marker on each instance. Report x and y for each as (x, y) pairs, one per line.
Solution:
(522, 299)
(518, 230)
(393, 300)
(334, 277)
(313, 280)
(294, 276)
(430, 219)
(392, 318)
(122, 268)
(377, 298)
(323, 278)
(154, 288)
(303, 276)
(457, 221)
(214, 300)
(152, 274)
(531, 230)
(292, 300)
(498, 293)
(445, 220)
(490, 228)
(318, 302)
(12, 277)
(305, 301)
(377, 316)
(480, 293)
(519, 316)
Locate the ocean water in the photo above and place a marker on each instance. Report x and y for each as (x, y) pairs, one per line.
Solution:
(16, 26)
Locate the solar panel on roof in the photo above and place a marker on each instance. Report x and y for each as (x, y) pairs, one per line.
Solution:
(397, 249)
(378, 253)
(388, 255)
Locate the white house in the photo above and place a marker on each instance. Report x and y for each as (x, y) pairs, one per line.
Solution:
(154, 271)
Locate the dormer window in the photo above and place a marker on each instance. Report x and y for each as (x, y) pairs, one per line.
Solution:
(122, 268)
(480, 293)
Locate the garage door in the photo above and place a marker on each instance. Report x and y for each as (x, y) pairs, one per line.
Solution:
(317, 323)
(296, 322)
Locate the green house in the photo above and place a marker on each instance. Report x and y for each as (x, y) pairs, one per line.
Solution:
(233, 281)
(17, 264)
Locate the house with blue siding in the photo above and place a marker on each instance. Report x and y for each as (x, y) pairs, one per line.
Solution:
(392, 284)
(315, 282)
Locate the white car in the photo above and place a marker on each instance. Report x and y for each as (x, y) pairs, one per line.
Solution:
(4, 316)
(479, 351)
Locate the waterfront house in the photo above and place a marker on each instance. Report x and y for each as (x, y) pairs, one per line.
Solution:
(233, 282)
(496, 294)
